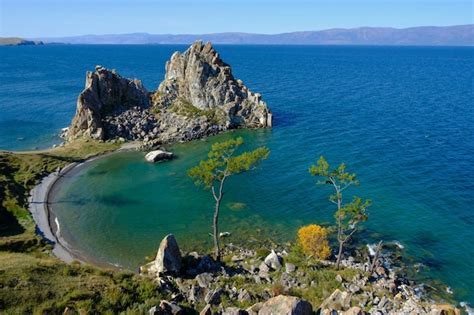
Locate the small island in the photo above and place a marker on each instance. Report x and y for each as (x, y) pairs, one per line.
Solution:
(17, 41)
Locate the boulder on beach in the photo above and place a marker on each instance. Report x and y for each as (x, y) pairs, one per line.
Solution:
(158, 155)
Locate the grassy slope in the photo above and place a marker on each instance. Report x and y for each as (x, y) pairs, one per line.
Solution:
(28, 273)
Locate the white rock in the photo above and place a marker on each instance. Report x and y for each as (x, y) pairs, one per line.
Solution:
(158, 155)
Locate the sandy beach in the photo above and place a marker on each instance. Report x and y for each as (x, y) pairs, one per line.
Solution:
(47, 224)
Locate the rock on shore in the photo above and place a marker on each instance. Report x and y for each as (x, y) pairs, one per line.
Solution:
(198, 97)
(239, 287)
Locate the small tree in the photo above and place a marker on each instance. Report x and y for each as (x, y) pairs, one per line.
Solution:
(313, 241)
(220, 165)
(348, 215)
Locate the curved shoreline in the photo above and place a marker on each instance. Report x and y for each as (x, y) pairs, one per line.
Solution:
(47, 224)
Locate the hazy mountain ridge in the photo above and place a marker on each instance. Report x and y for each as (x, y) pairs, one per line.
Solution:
(459, 35)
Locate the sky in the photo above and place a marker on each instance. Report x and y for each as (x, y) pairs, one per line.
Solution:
(55, 18)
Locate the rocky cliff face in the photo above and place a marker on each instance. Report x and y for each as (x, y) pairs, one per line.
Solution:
(198, 97)
(199, 77)
(105, 93)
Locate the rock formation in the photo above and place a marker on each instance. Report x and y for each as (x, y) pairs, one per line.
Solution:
(105, 93)
(158, 155)
(198, 97)
(199, 78)
(168, 258)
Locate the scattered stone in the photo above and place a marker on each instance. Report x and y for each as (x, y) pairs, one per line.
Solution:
(234, 311)
(339, 278)
(214, 297)
(274, 261)
(286, 305)
(206, 310)
(290, 267)
(338, 300)
(204, 279)
(355, 310)
(244, 296)
(166, 308)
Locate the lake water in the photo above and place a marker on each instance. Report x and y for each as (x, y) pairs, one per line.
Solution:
(402, 118)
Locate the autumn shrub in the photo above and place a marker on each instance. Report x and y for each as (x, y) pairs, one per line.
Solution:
(313, 240)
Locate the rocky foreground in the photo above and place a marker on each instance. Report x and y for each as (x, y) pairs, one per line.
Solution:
(198, 97)
(277, 283)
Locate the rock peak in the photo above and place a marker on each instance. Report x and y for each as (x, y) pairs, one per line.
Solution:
(199, 96)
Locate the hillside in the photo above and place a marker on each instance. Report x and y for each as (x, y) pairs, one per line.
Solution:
(461, 35)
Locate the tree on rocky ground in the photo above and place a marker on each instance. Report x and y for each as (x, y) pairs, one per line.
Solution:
(348, 215)
(213, 173)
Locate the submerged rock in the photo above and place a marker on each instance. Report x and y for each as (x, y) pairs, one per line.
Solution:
(158, 155)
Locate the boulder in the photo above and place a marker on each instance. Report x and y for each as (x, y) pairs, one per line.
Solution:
(204, 279)
(338, 300)
(206, 310)
(444, 309)
(166, 308)
(158, 155)
(234, 311)
(290, 267)
(274, 261)
(286, 305)
(214, 297)
(355, 310)
(168, 258)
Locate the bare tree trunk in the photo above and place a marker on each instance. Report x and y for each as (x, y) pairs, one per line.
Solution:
(376, 257)
(339, 254)
(215, 222)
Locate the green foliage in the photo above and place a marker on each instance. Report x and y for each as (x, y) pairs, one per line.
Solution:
(221, 163)
(347, 215)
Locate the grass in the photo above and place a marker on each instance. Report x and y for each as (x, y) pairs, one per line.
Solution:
(184, 108)
(19, 173)
(46, 286)
(43, 284)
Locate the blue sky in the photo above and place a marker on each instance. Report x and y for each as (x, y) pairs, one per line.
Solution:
(42, 18)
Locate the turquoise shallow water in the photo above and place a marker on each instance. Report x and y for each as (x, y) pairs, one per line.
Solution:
(401, 117)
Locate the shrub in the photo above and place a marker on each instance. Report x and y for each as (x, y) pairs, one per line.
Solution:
(313, 240)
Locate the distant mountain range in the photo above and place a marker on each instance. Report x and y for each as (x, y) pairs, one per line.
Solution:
(459, 35)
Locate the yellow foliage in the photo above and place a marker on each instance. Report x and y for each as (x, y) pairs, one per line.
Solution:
(313, 240)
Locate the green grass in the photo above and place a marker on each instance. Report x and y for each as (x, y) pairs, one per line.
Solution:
(184, 108)
(19, 173)
(31, 281)
(42, 285)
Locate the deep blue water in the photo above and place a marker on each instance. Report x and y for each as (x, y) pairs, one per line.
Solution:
(401, 117)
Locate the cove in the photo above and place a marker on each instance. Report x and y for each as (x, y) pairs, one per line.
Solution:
(400, 117)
